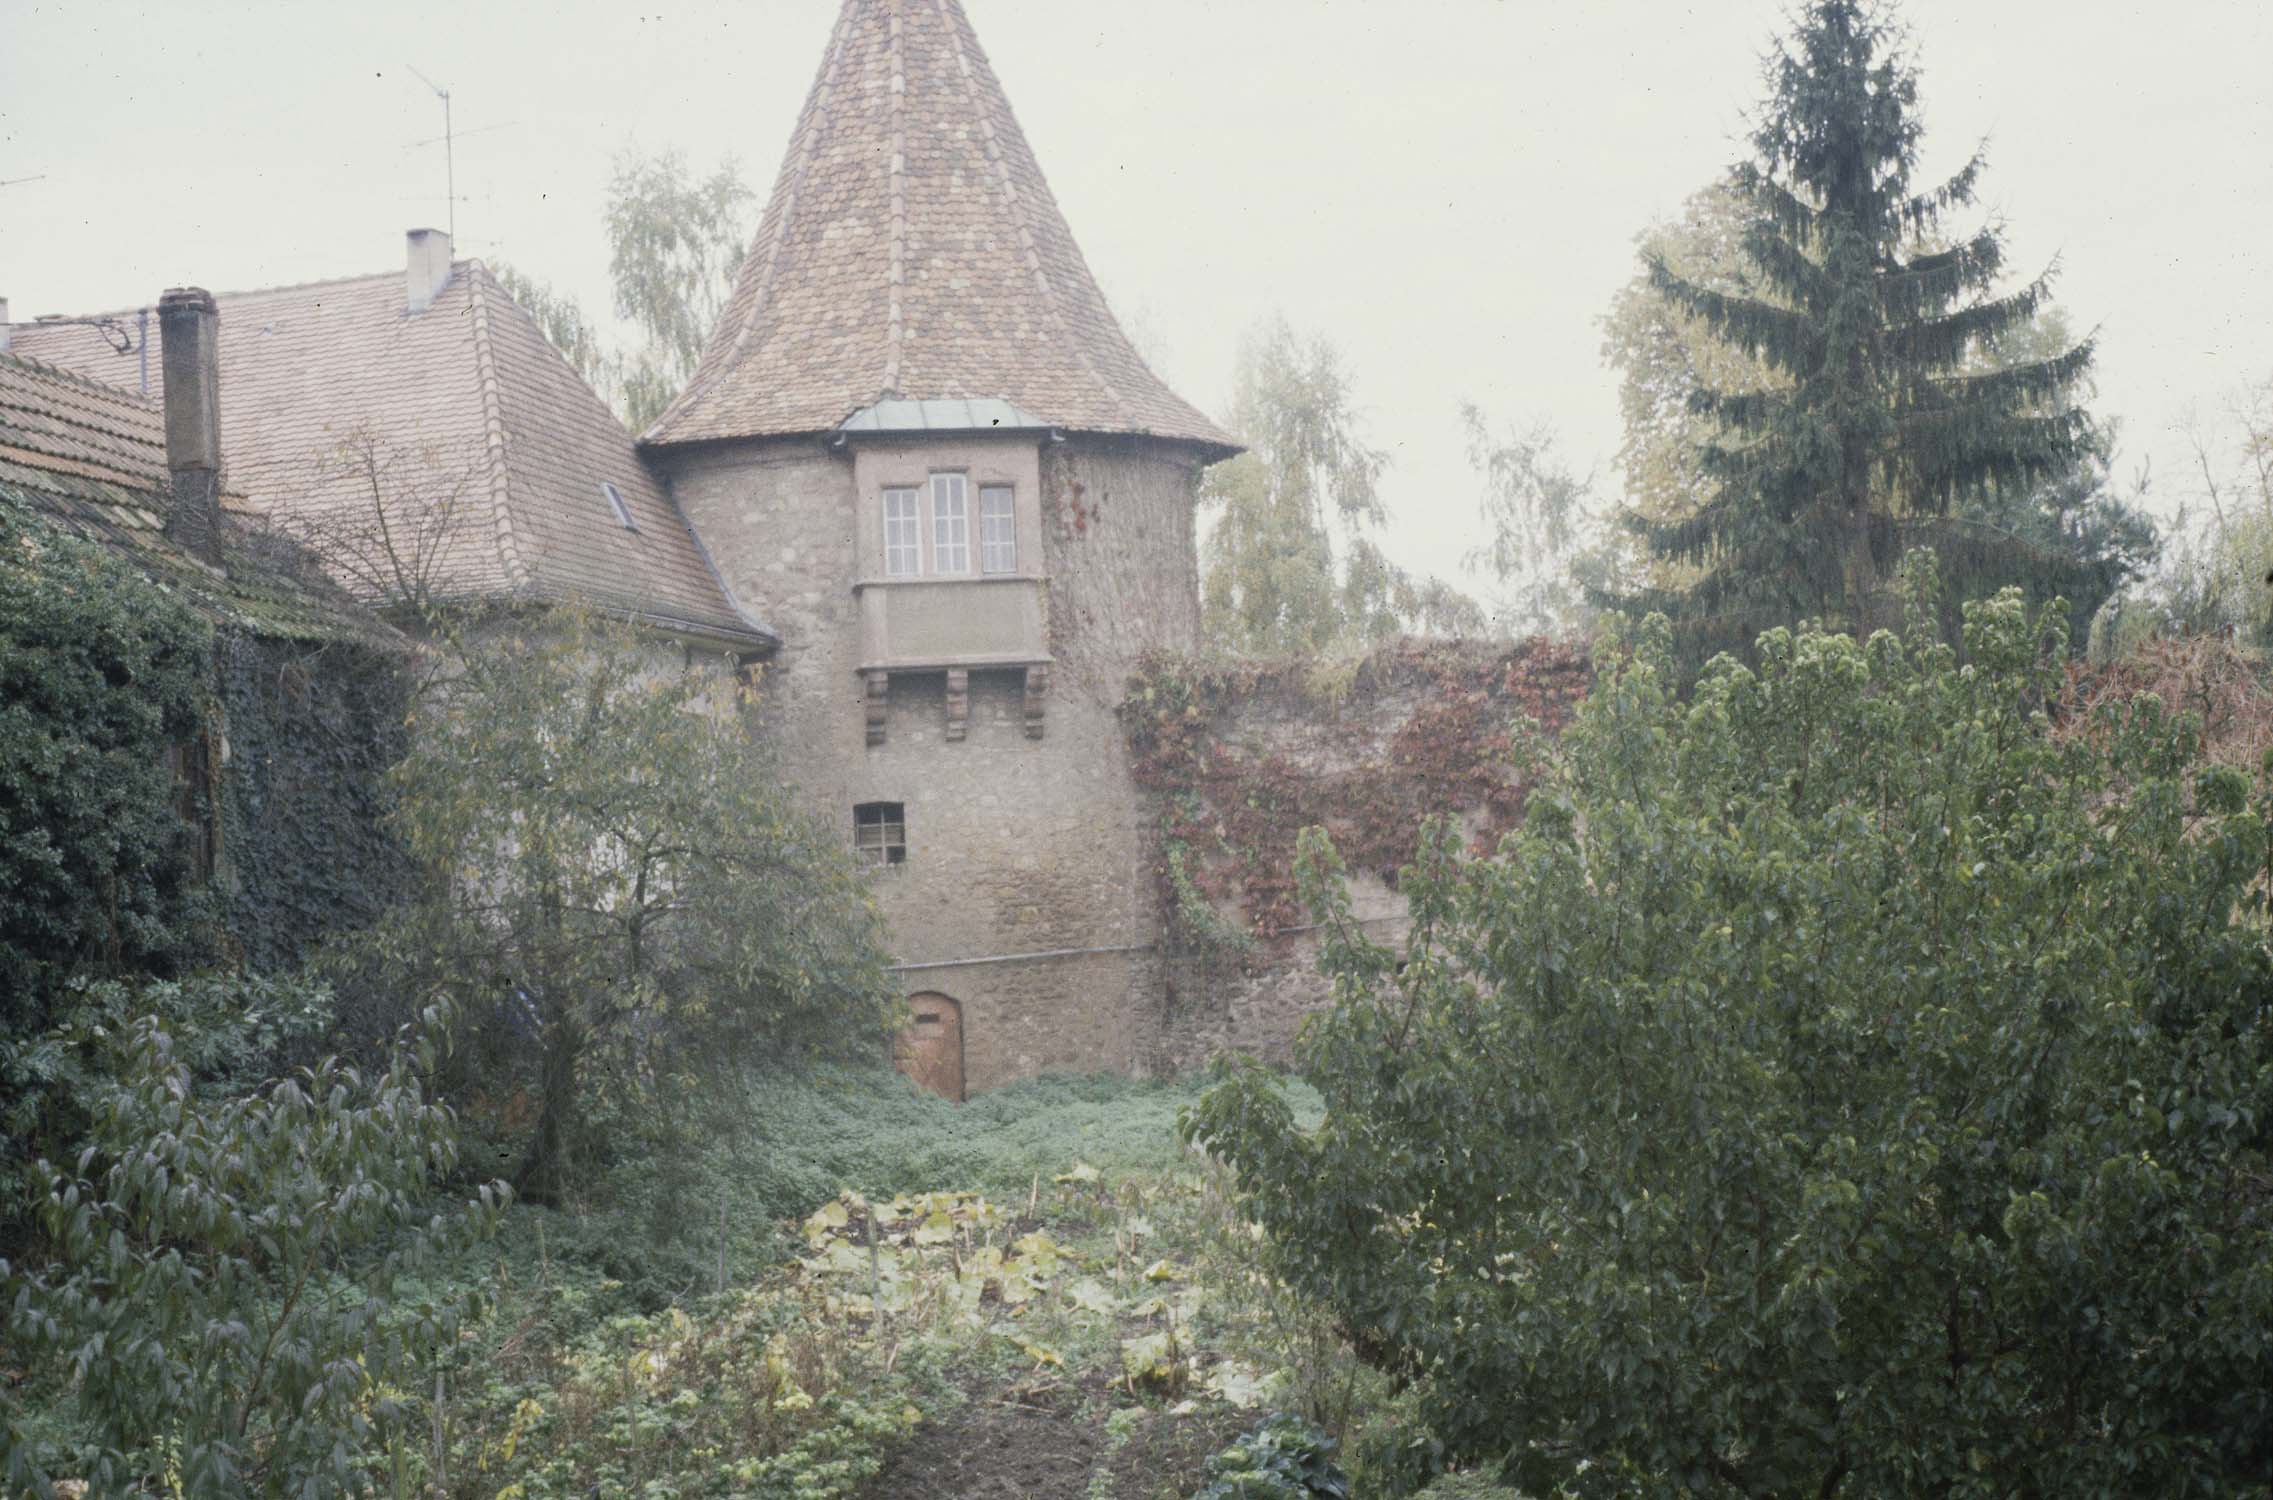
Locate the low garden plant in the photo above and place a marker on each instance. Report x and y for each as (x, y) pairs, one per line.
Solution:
(1283, 1458)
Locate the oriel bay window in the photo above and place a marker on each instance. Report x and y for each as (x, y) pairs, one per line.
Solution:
(952, 592)
(928, 529)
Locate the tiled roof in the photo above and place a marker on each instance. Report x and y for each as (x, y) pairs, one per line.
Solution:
(912, 250)
(92, 458)
(463, 404)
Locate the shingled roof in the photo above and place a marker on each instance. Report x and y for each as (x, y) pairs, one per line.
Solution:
(92, 459)
(462, 405)
(912, 250)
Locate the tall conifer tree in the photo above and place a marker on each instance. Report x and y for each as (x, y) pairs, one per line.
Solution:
(1886, 431)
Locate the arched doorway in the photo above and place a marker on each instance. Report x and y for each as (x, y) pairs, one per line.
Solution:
(930, 1051)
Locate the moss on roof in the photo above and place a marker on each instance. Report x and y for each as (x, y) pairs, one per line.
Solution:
(92, 459)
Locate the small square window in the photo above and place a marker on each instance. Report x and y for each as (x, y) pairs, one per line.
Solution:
(903, 534)
(998, 530)
(950, 524)
(880, 833)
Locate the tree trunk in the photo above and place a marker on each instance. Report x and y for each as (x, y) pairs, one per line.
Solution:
(543, 1176)
(1859, 572)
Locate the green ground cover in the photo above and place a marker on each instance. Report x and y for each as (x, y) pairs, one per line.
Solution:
(859, 1287)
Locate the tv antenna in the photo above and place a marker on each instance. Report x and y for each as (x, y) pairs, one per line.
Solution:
(449, 149)
(12, 181)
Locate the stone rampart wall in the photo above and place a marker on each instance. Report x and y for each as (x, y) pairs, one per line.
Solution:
(1240, 757)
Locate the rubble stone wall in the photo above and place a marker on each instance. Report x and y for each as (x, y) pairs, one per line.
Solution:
(1242, 756)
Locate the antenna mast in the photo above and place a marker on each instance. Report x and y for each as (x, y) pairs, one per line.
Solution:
(449, 150)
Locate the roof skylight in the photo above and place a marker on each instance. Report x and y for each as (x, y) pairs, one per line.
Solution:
(615, 503)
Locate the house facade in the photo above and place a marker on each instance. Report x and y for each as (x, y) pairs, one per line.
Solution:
(921, 482)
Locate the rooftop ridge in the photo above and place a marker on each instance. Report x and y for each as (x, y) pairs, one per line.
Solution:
(513, 479)
(243, 291)
(67, 410)
(1026, 238)
(657, 607)
(896, 280)
(493, 427)
(323, 281)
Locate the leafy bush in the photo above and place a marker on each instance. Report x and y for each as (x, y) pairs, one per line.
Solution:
(228, 1033)
(1283, 1458)
(102, 675)
(224, 1290)
(617, 886)
(1840, 1083)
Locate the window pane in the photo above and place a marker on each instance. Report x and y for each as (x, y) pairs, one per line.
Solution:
(880, 833)
(998, 531)
(950, 525)
(903, 534)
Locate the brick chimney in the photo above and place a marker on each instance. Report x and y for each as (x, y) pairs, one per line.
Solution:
(189, 331)
(429, 268)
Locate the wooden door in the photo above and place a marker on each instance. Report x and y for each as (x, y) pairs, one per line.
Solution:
(930, 1051)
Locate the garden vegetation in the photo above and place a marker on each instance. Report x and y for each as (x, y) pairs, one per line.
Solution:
(617, 885)
(1841, 1083)
(1845, 1072)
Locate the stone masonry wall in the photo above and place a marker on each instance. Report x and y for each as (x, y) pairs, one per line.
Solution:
(1240, 757)
(1255, 1007)
(1018, 849)
(1118, 519)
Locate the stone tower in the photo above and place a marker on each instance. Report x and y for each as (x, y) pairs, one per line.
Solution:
(921, 447)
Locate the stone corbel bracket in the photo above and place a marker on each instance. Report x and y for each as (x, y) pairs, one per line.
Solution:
(958, 703)
(1037, 689)
(878, 702)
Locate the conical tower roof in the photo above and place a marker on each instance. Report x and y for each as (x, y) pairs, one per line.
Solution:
(912, 250)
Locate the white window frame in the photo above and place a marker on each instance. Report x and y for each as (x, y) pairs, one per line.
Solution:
(903, 532)
(950, 525)
(998, 529)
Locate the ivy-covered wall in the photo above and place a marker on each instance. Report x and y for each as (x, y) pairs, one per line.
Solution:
(183, 782)
(1240, 756)
(308, 730)
(101, 675)
(183, 785)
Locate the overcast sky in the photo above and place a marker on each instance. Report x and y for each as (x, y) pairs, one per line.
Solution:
(1448, 189)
